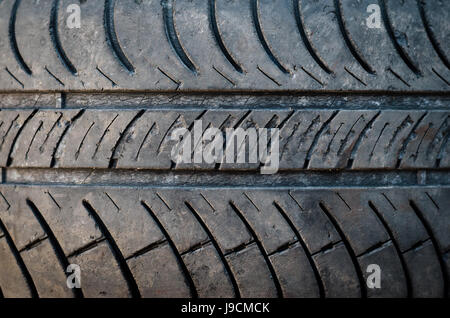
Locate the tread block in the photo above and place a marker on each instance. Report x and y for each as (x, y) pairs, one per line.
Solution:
(14, 284)
(46, 271)
(425, 271)
(159, 275)
(294, 260)
(100, 274)
(252, 274)
(338, 273)
(393, 279)
(205, 262)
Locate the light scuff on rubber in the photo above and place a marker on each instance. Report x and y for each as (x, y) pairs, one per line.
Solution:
(224, 242)
(218, 45)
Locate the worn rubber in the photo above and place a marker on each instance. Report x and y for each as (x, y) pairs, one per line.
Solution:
(181, 242)
(309, 139)
(216, 45)
(87, 176)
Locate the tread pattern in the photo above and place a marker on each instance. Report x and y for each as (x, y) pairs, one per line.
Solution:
(260, 45)
(227, 242)
(309, 139)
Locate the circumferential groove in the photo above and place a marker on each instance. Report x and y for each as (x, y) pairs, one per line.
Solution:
(306, 40)
(262, 39)
(111, 36)
(218, 37)
(54, 35)
(352, 47)
(437, 47)
(13, 40)
(172, 35)
(388, 25)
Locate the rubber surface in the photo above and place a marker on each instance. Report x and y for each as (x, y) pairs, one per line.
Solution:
(158, 242)
(216, 45)
(87, 178)
(309, 139)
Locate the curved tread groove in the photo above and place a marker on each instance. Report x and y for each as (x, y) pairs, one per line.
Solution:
(437, 47)
(54, 35)
(10, 158)
(348, 247)
(305, 248)
(20, 261)
(396, 246)
(111, 36)
(132, 285)
(350, 44)
(54, 242)
(172, 35)
(388, 25)
(306, 40)
(113, 160)
(218, 37)
(183, 266)
(13, 40)
(276, 281)
(217, 247)
(434, 242)
(262, 39)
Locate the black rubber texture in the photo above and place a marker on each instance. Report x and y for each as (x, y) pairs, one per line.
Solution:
(217, 45)
(87, 177)
(309, 139)
(223, 242)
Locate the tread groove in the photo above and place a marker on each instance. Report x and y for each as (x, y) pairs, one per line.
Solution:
(430, 34)
(13, 39)
(262, 38)
(113, 160)
(305, 248)
(405, 57)
(66, 130)
(19, 261)
(350, 44)
(348, 247)
(132, 285)
(217, 247)
(111, 36)
(434, 242)
(172, 35)
(78, 293)
(261, 248)
(183, 266)
(309, 46)
(54, 35)
(396, 246)
(219, 39)
(11, 150)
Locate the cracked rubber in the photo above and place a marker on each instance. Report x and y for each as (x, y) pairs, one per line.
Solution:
(216, 45)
